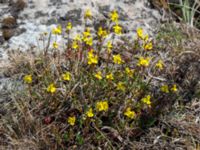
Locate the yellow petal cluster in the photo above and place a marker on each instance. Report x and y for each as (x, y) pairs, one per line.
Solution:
(28, 79)
(89, 41)
(129, 71)
(147, 100)
(159, 64)
(121, 86)
(87, 37)
(129, 113)
(86, 33)
(57, 30)
(78, 38)
(71, 120)
(117, 59)
(69, 26)
(174, 88)
(102, 33)
(114, 16)
(148, 46)
(110, 76)
(51, 88)
(102, 106)
(98, 75)
(66, 76)
(88, 14)
(109, 46)
(90, 113)
(55, 45)
(144, 61)
(165, 88)
(75, 45)
(92, 58)
(141, 35)
(117, 29)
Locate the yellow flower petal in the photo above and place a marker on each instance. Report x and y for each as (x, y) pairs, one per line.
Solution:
(102, 106)
(51, 88)
(71, 120)
(27, 79)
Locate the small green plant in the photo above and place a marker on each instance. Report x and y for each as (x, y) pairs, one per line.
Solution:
(70, 95)
(189, 9)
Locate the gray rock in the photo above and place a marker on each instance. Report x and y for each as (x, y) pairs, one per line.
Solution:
(73, 16)
(40, 14)
(56, 2)
(43, 15)
(104, 10)
(2, 40)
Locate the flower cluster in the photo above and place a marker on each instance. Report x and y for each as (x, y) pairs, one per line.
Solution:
(147, 100)
(95, 78)
(92, 58)
(102, 105)
(129, 113)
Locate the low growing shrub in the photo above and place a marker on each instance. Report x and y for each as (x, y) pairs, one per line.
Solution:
(94, 92)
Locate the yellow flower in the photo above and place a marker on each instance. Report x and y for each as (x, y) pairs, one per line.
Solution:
(159, 64)
(174, 88)
(86, 33)
(57, 30)
(75, 45)
(86, 37)
(88, 14)
(140, 33)
(66, 76)
(120, 86)
(147, 100)
(117, 29)
(92, 59)
(109, 46)
(110, 76)
(69, 26)
(27, 79)
(91, 53)
(117, 59)
(143, 61)
(114, 16)
(98, 75)
(90, 113)
(129, 71)
(102, 33)
(55, 45)
(148, 46)
(78, 38)
(129, 113)
(71, 120)
(89, 41)
(165, 88)
(102, 106)
(146, 37)
(51, 88)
